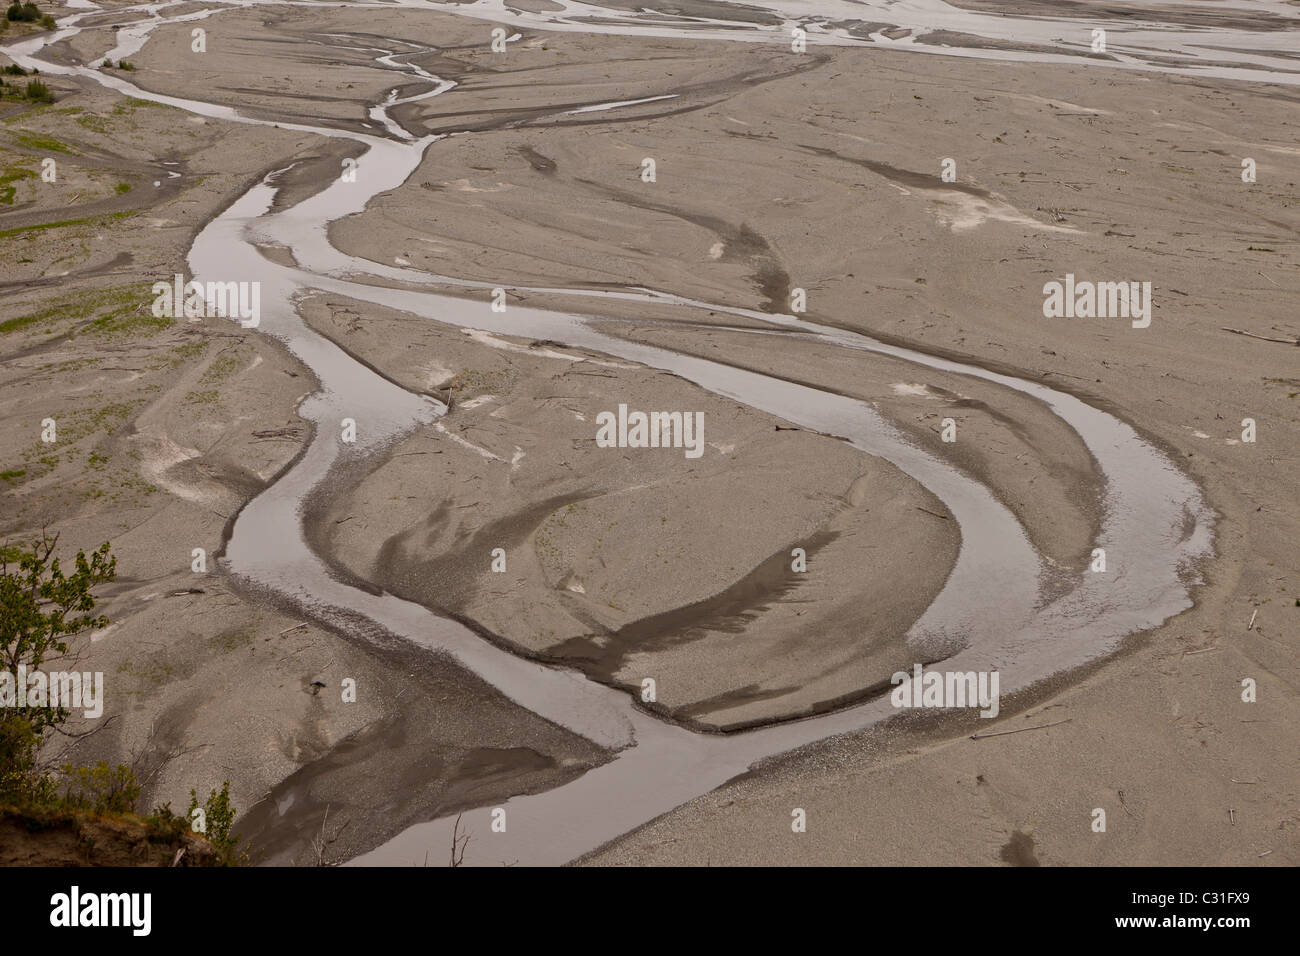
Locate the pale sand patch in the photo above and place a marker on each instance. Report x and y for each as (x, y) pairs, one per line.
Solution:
(962, 212)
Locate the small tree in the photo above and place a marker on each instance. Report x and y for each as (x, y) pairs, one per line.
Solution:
(40, 606)
(219, 817)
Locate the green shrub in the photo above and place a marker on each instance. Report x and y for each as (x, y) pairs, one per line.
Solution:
(166, 826)
(23, 13)
(38, 92)
(40, 606)
(219, 818)
(101, 788)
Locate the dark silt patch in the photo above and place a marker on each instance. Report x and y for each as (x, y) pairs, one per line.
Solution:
(740, 244)
(712, 9)
(1119, 13)
(1019, 850)
(542, 164)
(749, 694)
(392, 774)
(729, 611)
(904, 177)
(449, 580)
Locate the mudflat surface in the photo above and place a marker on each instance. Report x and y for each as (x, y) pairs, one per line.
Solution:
(775, 173)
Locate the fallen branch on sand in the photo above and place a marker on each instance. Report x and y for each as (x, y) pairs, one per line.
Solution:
(1003, 733)
(1256, 335)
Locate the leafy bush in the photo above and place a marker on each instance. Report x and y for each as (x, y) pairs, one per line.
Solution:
(23, 13)
(100, 789)
(40, 605)
(166, 826)
(20, 780)
(219, 818)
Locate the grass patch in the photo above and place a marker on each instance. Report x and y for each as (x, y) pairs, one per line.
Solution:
(134, 103)
(129, 316)
(185, 353)
(233, 640)
(23, 321)
(108, 417)
(128, 322)
(8, 178)
(222, 367)
(62, 223)
(46, 143)
(129, 105)
(34, 91)
(80, 306)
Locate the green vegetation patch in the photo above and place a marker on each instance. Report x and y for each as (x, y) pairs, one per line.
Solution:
(10, 176)
(209, 397)
(222, 367)
(82, 305)
(133, 318)
(33, 91)
(85, 221)
(44, 143)
(96, 124)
